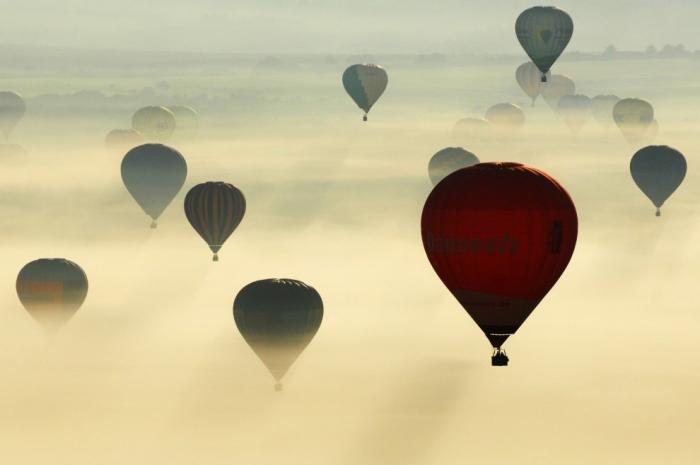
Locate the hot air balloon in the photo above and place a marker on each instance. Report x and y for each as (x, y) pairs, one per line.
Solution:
(365, 84)
(529, 79)
(602, 109)
(153, 174)
(449, 160)
(544, 33)
(12, 108)
(52, 290)
(214, 209)
(278, 318)
(506, 116)
(575, 111)
(658, 170)
(155, 123)
(186, 121)
(499, 236)
(467, 131)
(556, 88)
(120, 139)
(633, 116)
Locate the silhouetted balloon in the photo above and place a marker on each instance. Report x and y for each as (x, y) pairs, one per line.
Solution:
(278, 318)
(154, 123)
(506, 116)
(499, 235)
(602, 109)
(633, 116)
(658, 170)
(557, 87)
(214, 209)
(52, 290)
(575, 111)
(153, 174)
(186, 121)
(365, 84)
(123, 139)
(12, 109)
(470, 130)
(449, 160)
(544, 33)
(529, 79)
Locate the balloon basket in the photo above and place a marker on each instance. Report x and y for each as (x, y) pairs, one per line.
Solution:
(154, 225)
(278, 387)
(364, 118)
(499, 358)
(215, 258)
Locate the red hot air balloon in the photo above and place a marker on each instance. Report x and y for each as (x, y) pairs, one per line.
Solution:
(499, 235)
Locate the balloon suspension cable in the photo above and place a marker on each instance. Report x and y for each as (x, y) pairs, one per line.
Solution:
(278, 387)
(658, 211)
(364, 118)
(154, 224)
(215, 258)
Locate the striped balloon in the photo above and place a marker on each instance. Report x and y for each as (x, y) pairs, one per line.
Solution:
(214, 209)
(52, 290)
(544, 33)
(365, 84)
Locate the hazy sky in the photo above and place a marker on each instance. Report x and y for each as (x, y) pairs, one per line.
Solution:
(336, 26)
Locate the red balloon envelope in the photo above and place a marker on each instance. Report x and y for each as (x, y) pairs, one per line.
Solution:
(499, 235)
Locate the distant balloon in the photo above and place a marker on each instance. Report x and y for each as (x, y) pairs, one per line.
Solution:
(506, 116)
(544, 33)
(214, 209)
(602, 108)
(470, 130)
(278, 318)
(12, 109)
(658, 170)
(52, 290)
(499, 235)
(633, 116)
(575, 111)
(449, 160)
(529, 79)
(120, 139)
(155, 123)
(153, 174)
(186, 121)
(365, 84)
(557, 87)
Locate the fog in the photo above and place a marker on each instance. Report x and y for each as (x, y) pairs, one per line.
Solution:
(332, 26)
(152, 369)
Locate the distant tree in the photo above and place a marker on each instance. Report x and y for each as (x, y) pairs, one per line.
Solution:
(610, 50)
(651, 50)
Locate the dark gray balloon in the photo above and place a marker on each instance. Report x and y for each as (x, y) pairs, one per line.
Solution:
(449, 160)
(658, 170)
(153, 174)
(278, 318)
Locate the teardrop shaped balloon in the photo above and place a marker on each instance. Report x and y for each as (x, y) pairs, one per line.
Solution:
(449, 160)
(52, 290)
(186, 122)
(365, 84)
(529, 79)
(499, 236)
(278, 318)
(121, 139)
(506, 117)
(557, 87)
(602, 109)
(153, 174)
(12, 109)
(154, 123)
(575, 110)
(633, 116)
(214, 209)
(658, 170)
(544, 32)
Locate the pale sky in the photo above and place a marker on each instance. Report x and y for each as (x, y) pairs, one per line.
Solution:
(335, 26)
